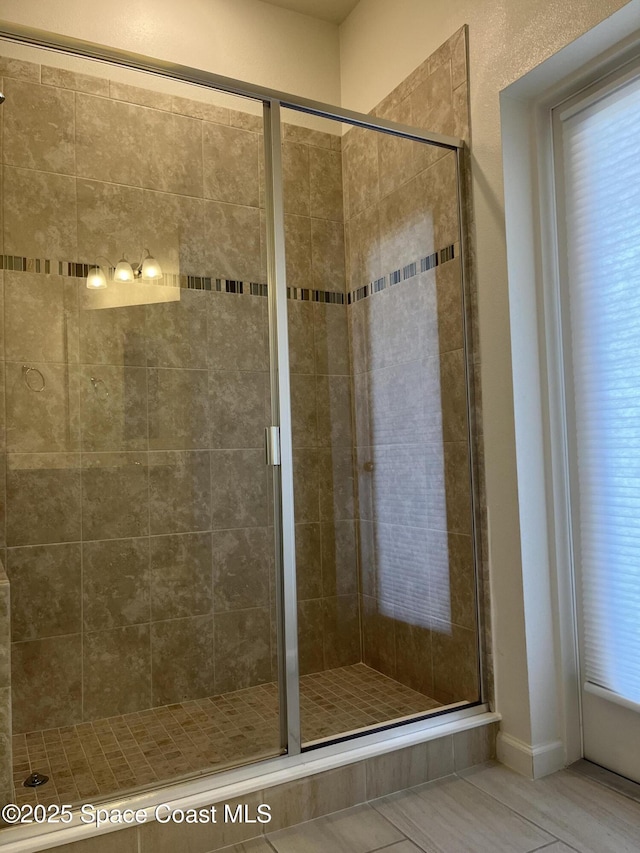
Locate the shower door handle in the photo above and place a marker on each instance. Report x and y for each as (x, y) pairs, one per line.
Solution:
(272, 445)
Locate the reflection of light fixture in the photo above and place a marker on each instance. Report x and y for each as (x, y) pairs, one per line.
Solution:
(147, 270)
(96, 278)
(150, 268)
(123, 271)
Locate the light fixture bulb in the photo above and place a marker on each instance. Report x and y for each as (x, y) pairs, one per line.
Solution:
(150, 270)
(96, 279)
(124, 271)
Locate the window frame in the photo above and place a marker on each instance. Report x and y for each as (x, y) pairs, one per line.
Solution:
(606, 86)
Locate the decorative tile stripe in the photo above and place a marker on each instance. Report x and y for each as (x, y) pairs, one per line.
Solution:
(429, 262)
(304, 294)
(409, 271)
(447, 254)
(196, 282)
(361, 293)
(75, 269)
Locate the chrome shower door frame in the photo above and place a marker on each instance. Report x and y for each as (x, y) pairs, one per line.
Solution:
(284, 514)
(284, 519)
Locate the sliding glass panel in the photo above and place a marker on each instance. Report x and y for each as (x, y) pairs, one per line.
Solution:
(139, 526)
(386, 579)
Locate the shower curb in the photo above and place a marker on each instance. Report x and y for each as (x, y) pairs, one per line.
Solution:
(424, 752)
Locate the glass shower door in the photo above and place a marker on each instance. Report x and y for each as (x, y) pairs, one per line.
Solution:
(182, 274)
(139, 512)
(383, 513)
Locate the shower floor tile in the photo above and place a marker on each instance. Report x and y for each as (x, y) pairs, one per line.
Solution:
(104, 757)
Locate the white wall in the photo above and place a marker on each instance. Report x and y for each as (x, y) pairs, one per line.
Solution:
(380, 43)
(245, 39)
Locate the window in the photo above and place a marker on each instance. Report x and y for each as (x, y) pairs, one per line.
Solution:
(597, 150)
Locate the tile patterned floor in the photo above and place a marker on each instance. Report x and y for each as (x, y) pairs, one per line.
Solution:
(354, 697)
(101, 758)
(485, 809)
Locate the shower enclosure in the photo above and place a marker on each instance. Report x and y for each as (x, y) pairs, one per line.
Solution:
(239, 505)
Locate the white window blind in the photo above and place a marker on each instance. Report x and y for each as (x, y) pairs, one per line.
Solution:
(601, 153)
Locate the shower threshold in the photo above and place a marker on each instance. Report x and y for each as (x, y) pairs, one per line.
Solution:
(98, 759)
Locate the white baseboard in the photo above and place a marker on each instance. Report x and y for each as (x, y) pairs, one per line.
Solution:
(530, 761)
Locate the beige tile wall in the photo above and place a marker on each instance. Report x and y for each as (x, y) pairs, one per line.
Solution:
(328, 606)
(137, 503)
(138, 524)
(6, 770)
(414, 521)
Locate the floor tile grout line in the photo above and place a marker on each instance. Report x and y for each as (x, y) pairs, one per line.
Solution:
(550, 844)
(435, 847)
(342, 811)
(610, 787)
(554, 838)
(515, 811)
(267, 839)
(393, 844)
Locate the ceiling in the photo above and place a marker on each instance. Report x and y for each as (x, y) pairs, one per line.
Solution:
(334, 11)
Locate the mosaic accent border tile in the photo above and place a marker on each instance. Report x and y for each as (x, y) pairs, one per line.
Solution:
(410, 270)
(76, 269)
(304, 294)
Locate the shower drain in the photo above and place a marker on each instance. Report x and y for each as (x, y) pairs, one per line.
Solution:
(35, 780)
